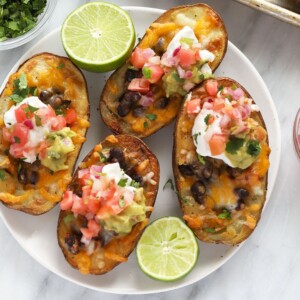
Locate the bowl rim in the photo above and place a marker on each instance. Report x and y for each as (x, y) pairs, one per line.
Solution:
(29, 35)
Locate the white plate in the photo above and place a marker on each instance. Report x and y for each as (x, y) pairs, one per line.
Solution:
(37, 235)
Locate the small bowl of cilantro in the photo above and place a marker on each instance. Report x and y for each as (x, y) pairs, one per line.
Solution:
(22, 20)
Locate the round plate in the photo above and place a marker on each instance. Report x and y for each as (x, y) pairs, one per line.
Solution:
(37, 235)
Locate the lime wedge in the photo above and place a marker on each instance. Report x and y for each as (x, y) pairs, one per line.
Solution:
(167, 250)
(98, 36)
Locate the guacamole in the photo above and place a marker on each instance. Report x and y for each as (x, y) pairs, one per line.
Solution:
(60, 145)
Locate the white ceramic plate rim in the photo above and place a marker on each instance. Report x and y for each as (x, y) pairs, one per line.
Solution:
(275, 158)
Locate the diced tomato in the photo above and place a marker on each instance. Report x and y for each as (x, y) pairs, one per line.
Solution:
(58, 123)
(218, 104)
(87, 233)
(22, 113)
(67, 200)
(86, 191)
(186, 57)
(70, 116)
(42, 149)
(6, 133)
(211, 119)
(94, 227)
(140, 56)
(92, 230)
(20, 134)
(217, 144)
(78, 205)
(211, 87)
(94, 205)
(16, 150)
(193, 106)
(141, 85)
(155, 72)
(137, 59)
(45, 113)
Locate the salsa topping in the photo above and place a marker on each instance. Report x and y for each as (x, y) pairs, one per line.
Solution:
(34, 131)
(111, 200)
(223, 127)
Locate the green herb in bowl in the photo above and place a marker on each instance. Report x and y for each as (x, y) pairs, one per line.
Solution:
(18, 17)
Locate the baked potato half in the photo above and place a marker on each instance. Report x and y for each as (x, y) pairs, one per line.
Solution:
(108, 204)
(179, 50)
(221, 161)
(44, 116)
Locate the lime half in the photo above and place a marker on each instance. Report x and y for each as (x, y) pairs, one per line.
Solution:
(98, 36)
(167, 250)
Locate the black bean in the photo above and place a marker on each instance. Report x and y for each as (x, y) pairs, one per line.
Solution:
(138, 111)
(33, 177)
(240, 204)
(23, 176)
(207, 171)
(117, 155)
(159, 48)
(186, 170)
(72, 241)
(45, 95)
(131, 96)
(198, 190)
(233, 172)
(131, 74)
(35, 165)
(138, 178)
(123, 109)
(241, 193)
(55, 101)
(162, 103)
(66, 103)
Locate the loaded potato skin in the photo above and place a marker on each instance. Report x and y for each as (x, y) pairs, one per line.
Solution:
(107, 205)
(179, 50)
(44, 116)
(220, 161)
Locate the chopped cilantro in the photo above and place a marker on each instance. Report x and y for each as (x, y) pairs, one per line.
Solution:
(201, 159)
(185, 40)
(18, 16)
(169, 182)
(176, 77)
(135, 184)
(2, 175)
(225, 215)
(103, 158)
(210, 230)
(147, 72)
(21, 90)
(121, 202)
(220, 88)
(19, 168)
(38, 120)
(234, 144)
(151, 117)
(122, 182)
(206, 119)
(146, 124)
(17, 140)
(201, 77)
(60, 66)
(32, 109)
(253, 147)
(195, 137)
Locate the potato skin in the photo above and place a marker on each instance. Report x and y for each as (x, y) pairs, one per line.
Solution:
(200, 217)
(136, 152)
(212, 26)
(45, 71)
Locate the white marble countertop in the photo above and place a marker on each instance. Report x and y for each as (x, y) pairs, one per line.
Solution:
(268, 265)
